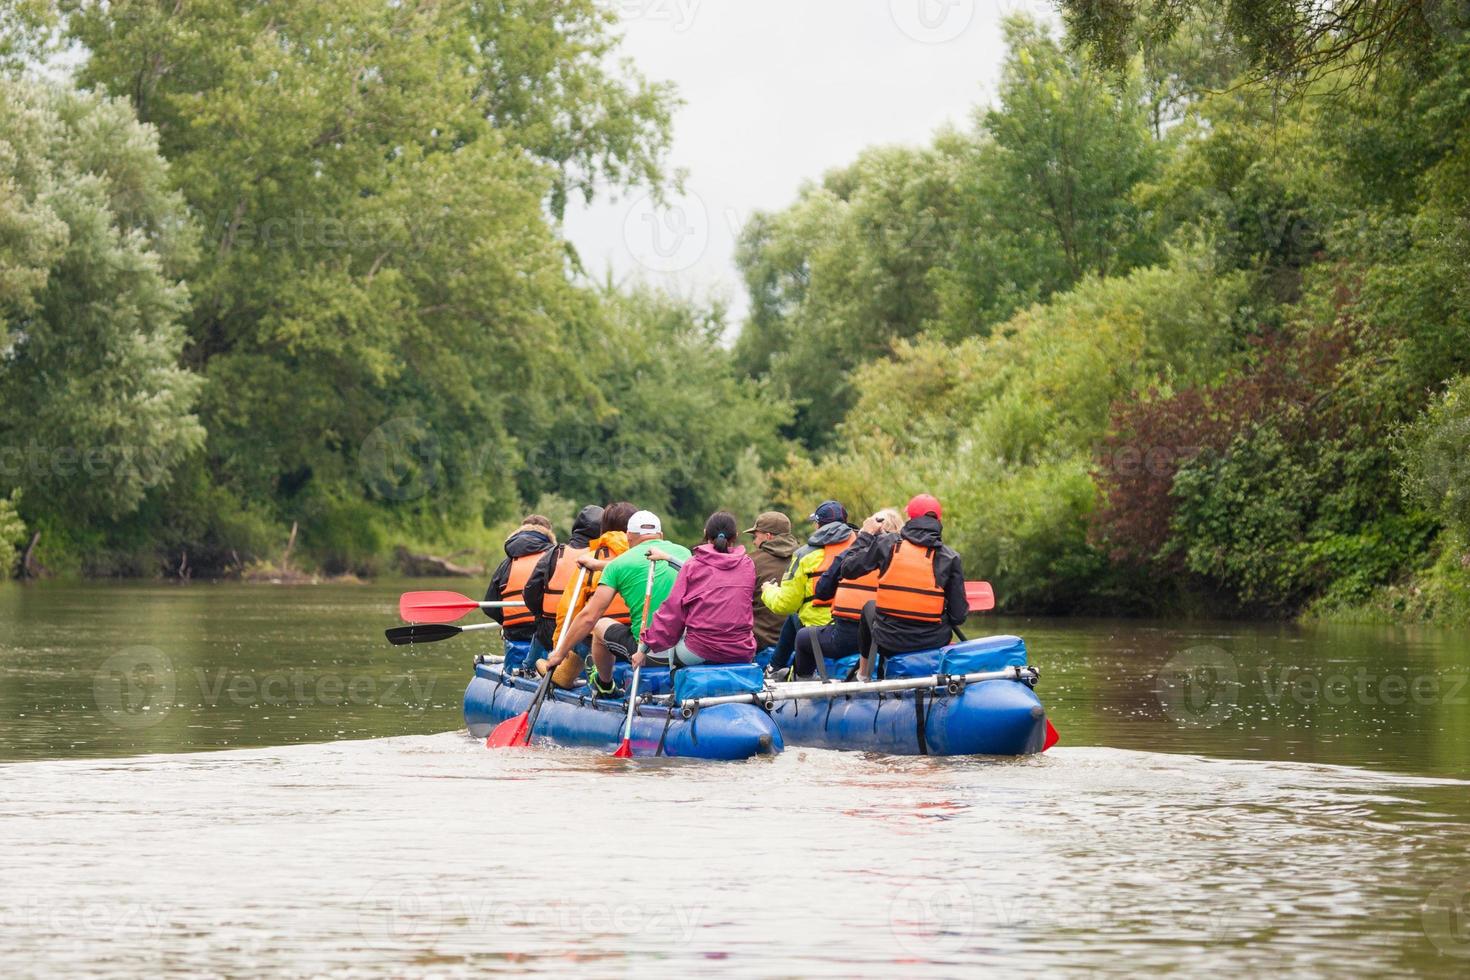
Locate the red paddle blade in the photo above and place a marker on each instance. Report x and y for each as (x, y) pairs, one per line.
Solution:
(434, 607)
(980, 596)
(1052, 738)
(625, 751)
(511, 733)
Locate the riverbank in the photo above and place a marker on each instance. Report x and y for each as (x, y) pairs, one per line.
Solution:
(1436, 595)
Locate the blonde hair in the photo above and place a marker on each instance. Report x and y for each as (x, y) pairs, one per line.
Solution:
(890, 520)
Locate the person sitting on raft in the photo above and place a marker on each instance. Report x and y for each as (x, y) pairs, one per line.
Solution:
(920, 595)
(707, 617)
(613, 541)
(793, 596)
(843, 636)
(624, 578)
(773, 547)
(554, 575)
(523, 551)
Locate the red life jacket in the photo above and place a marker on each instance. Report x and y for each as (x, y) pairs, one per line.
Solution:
(515, 591)
(907, 589)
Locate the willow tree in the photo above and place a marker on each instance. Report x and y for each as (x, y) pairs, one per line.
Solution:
(95, 410)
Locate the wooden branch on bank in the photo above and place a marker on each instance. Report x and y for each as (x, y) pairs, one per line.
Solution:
(431, 566)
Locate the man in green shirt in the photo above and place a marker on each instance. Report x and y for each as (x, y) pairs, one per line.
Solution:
(625, 576)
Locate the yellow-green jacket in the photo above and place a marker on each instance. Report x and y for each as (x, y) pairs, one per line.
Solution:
(794, 592)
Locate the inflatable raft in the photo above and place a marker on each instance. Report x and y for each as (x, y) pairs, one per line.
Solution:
(728, 731)
(972, 698)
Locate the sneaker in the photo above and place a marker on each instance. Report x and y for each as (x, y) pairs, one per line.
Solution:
(611, 691)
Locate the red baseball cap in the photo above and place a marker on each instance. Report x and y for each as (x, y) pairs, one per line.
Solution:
(924, 504)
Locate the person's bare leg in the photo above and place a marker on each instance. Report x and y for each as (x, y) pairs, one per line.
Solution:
(602, 657)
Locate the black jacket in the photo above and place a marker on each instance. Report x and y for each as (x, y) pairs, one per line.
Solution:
(875, 551)
(587, 526)
(526, 541)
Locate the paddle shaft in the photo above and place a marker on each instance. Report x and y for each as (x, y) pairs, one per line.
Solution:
(566, 628)
(643, 649)
(811, 691)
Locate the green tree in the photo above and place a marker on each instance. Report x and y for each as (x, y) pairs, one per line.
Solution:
(1287, 40)
(671, 426)
(95, 410)
(1046, 192)
(373, 183)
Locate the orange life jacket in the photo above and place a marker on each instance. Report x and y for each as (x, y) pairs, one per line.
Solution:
(907, 589)
(560, 579)
(610, 545)
(617, 609)
(853, 594)
(515, 591)
(830, 553)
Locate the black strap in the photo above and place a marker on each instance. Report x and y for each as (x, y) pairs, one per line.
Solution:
(819, 655)
(919, 718)
(668, 720)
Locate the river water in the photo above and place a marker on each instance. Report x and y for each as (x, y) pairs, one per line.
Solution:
(242, 781)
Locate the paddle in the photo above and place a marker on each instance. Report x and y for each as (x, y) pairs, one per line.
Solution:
(516, 732)
(980, 596)
(625, 750)
(1052, 738)
(442, 607)
(402, 636)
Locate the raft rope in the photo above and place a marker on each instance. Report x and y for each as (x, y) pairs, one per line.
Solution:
(919, 719)
(668, 720)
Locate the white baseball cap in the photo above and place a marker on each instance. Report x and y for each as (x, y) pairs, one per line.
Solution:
(645, 522)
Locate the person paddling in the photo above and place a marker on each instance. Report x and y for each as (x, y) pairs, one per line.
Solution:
(920, 592)
(523, 551)
(554, 575)
(624, 578)
(613, 541)
(707, 617)
(793, 596)
(843, 636)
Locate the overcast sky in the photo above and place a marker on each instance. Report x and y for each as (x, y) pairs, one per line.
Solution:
(777, 92)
